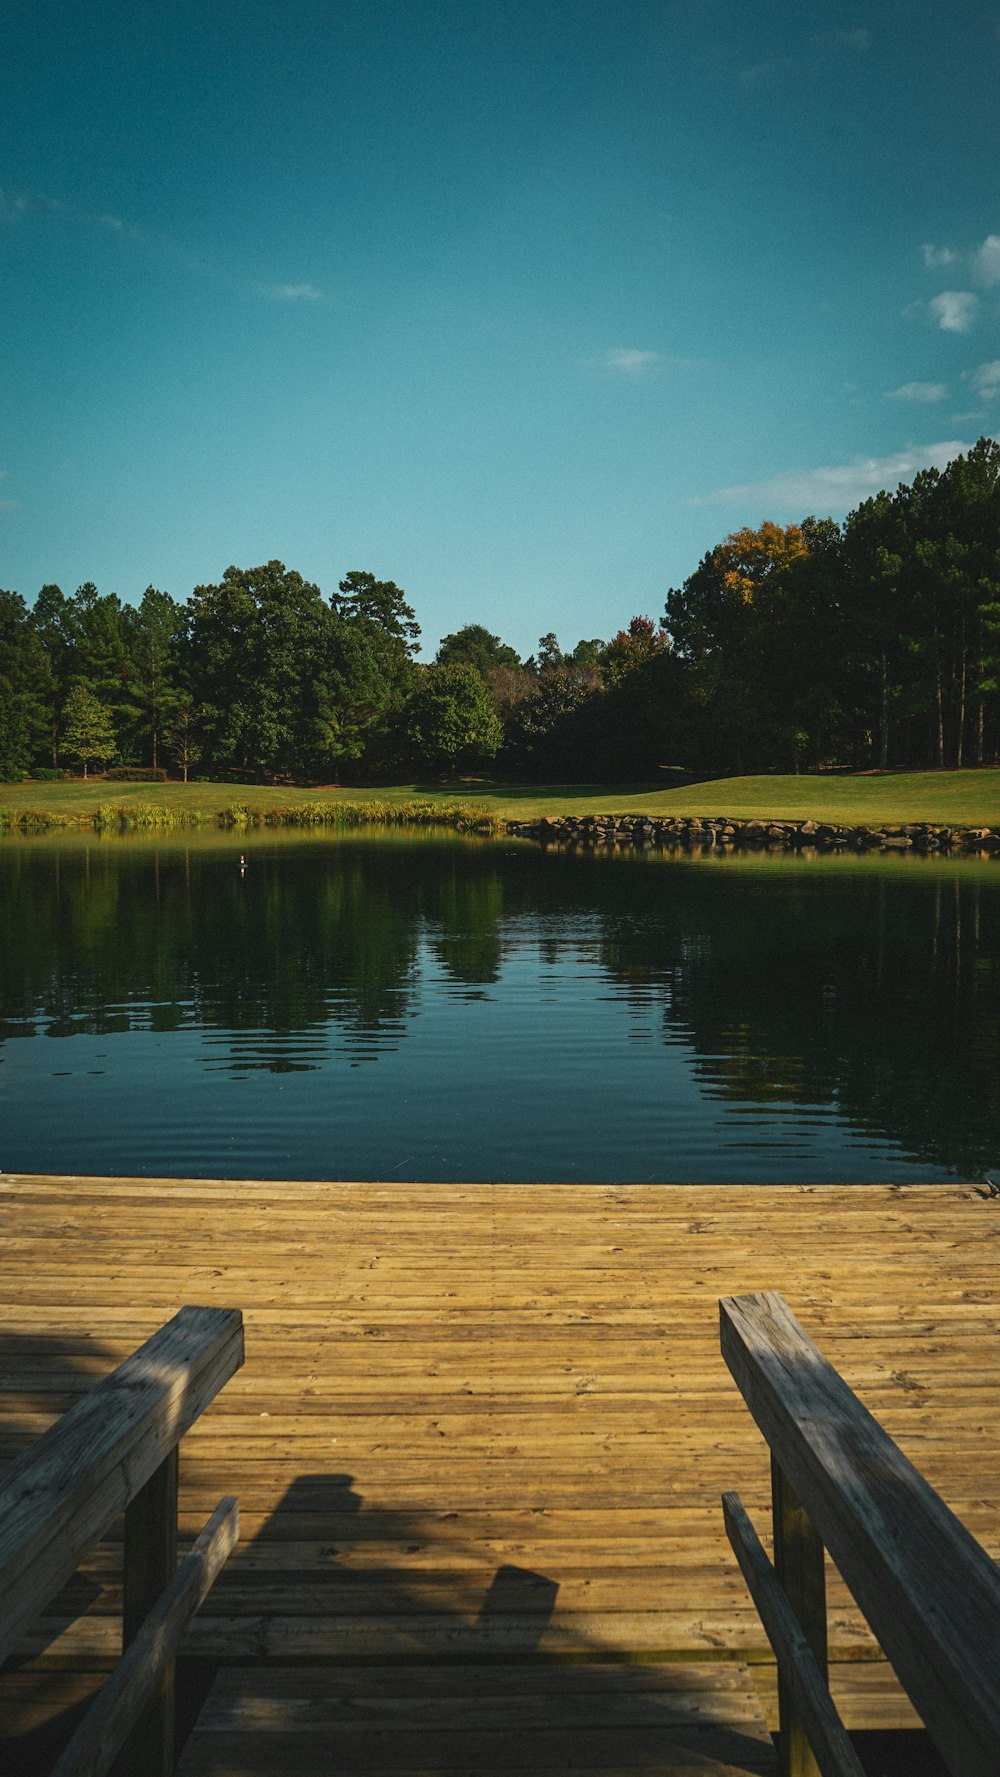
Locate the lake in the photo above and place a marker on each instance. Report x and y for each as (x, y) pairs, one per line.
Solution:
(390, 1007)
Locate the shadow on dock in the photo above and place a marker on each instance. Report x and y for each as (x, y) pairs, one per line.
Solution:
(439, 1677)
(365, 1639)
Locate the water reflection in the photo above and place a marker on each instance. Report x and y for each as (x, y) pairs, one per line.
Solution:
(473, 1010)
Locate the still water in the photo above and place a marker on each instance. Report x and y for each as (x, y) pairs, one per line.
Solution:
(390, 1007)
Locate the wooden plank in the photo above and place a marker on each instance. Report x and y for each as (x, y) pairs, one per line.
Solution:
(117, 1712)
(149, 1562)
(62, 1494)
(800, 1572)
(867, 1695)
(443, 1380)
(802, 1685)
(672, 1719)
(928, 1589)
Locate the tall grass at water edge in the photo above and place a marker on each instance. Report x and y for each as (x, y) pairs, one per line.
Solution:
(130, 817)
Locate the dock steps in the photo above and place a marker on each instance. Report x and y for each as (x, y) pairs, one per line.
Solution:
(450, 1386)
(409, 1720)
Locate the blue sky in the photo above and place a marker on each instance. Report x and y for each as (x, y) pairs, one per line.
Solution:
(522, 305)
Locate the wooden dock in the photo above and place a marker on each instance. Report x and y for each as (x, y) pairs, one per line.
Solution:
(479, 1442)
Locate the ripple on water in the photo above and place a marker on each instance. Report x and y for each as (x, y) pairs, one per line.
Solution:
(474, 1013)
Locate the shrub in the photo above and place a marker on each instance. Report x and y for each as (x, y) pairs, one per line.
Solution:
(465, 817)
(27, 820)
(120, 816)
(47, 774)
(136, 774)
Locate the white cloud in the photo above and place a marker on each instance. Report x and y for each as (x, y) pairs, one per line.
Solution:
(937, 256)
(918, 392)
(983, 261)
(835, 489)
(986, 260)
(293, 293)
(627, 361)
(954, 310)
(986, 380)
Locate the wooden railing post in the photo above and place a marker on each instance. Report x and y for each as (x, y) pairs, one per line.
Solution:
(799, 1565)
(150, 1561)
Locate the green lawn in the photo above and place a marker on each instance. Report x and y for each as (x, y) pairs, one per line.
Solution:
(960, 798)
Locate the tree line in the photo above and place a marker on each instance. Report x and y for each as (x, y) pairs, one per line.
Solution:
(871, 643)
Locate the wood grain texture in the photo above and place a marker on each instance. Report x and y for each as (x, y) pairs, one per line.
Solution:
(800, 1572)
(68, 1487)
(802, 1684)
(149, 1563)
(929, 1590)
(113, 1717)
(488, 1425)
(480, 1719)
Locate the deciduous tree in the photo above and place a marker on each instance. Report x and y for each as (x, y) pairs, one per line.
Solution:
(88, 734)
(259, 646)
(450, 719)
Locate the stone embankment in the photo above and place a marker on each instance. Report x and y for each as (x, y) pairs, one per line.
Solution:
(726, 833)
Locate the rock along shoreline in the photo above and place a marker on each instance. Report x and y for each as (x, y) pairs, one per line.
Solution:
(740, 834)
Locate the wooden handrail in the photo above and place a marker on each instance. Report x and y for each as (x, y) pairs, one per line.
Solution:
(115, 1451)
(929, 1591)
(114, 1713)
(806, 1683)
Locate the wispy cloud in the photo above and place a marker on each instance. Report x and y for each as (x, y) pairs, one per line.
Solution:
(629, 361)
(766, 70)
(937, 256)
(955, 311)
(292, 292)
(855, 41)
(834, 489)
(918, 392)
(16, 206)
(986, 380)
(986, 260)
(858, 40)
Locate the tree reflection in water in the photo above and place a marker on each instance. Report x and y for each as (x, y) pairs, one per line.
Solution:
(866, 991)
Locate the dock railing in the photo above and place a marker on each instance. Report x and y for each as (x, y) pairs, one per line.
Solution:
(929, 1591)
(115, 1452)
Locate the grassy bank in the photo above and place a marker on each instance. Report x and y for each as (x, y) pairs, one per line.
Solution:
(241, 808)
(957, 798)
